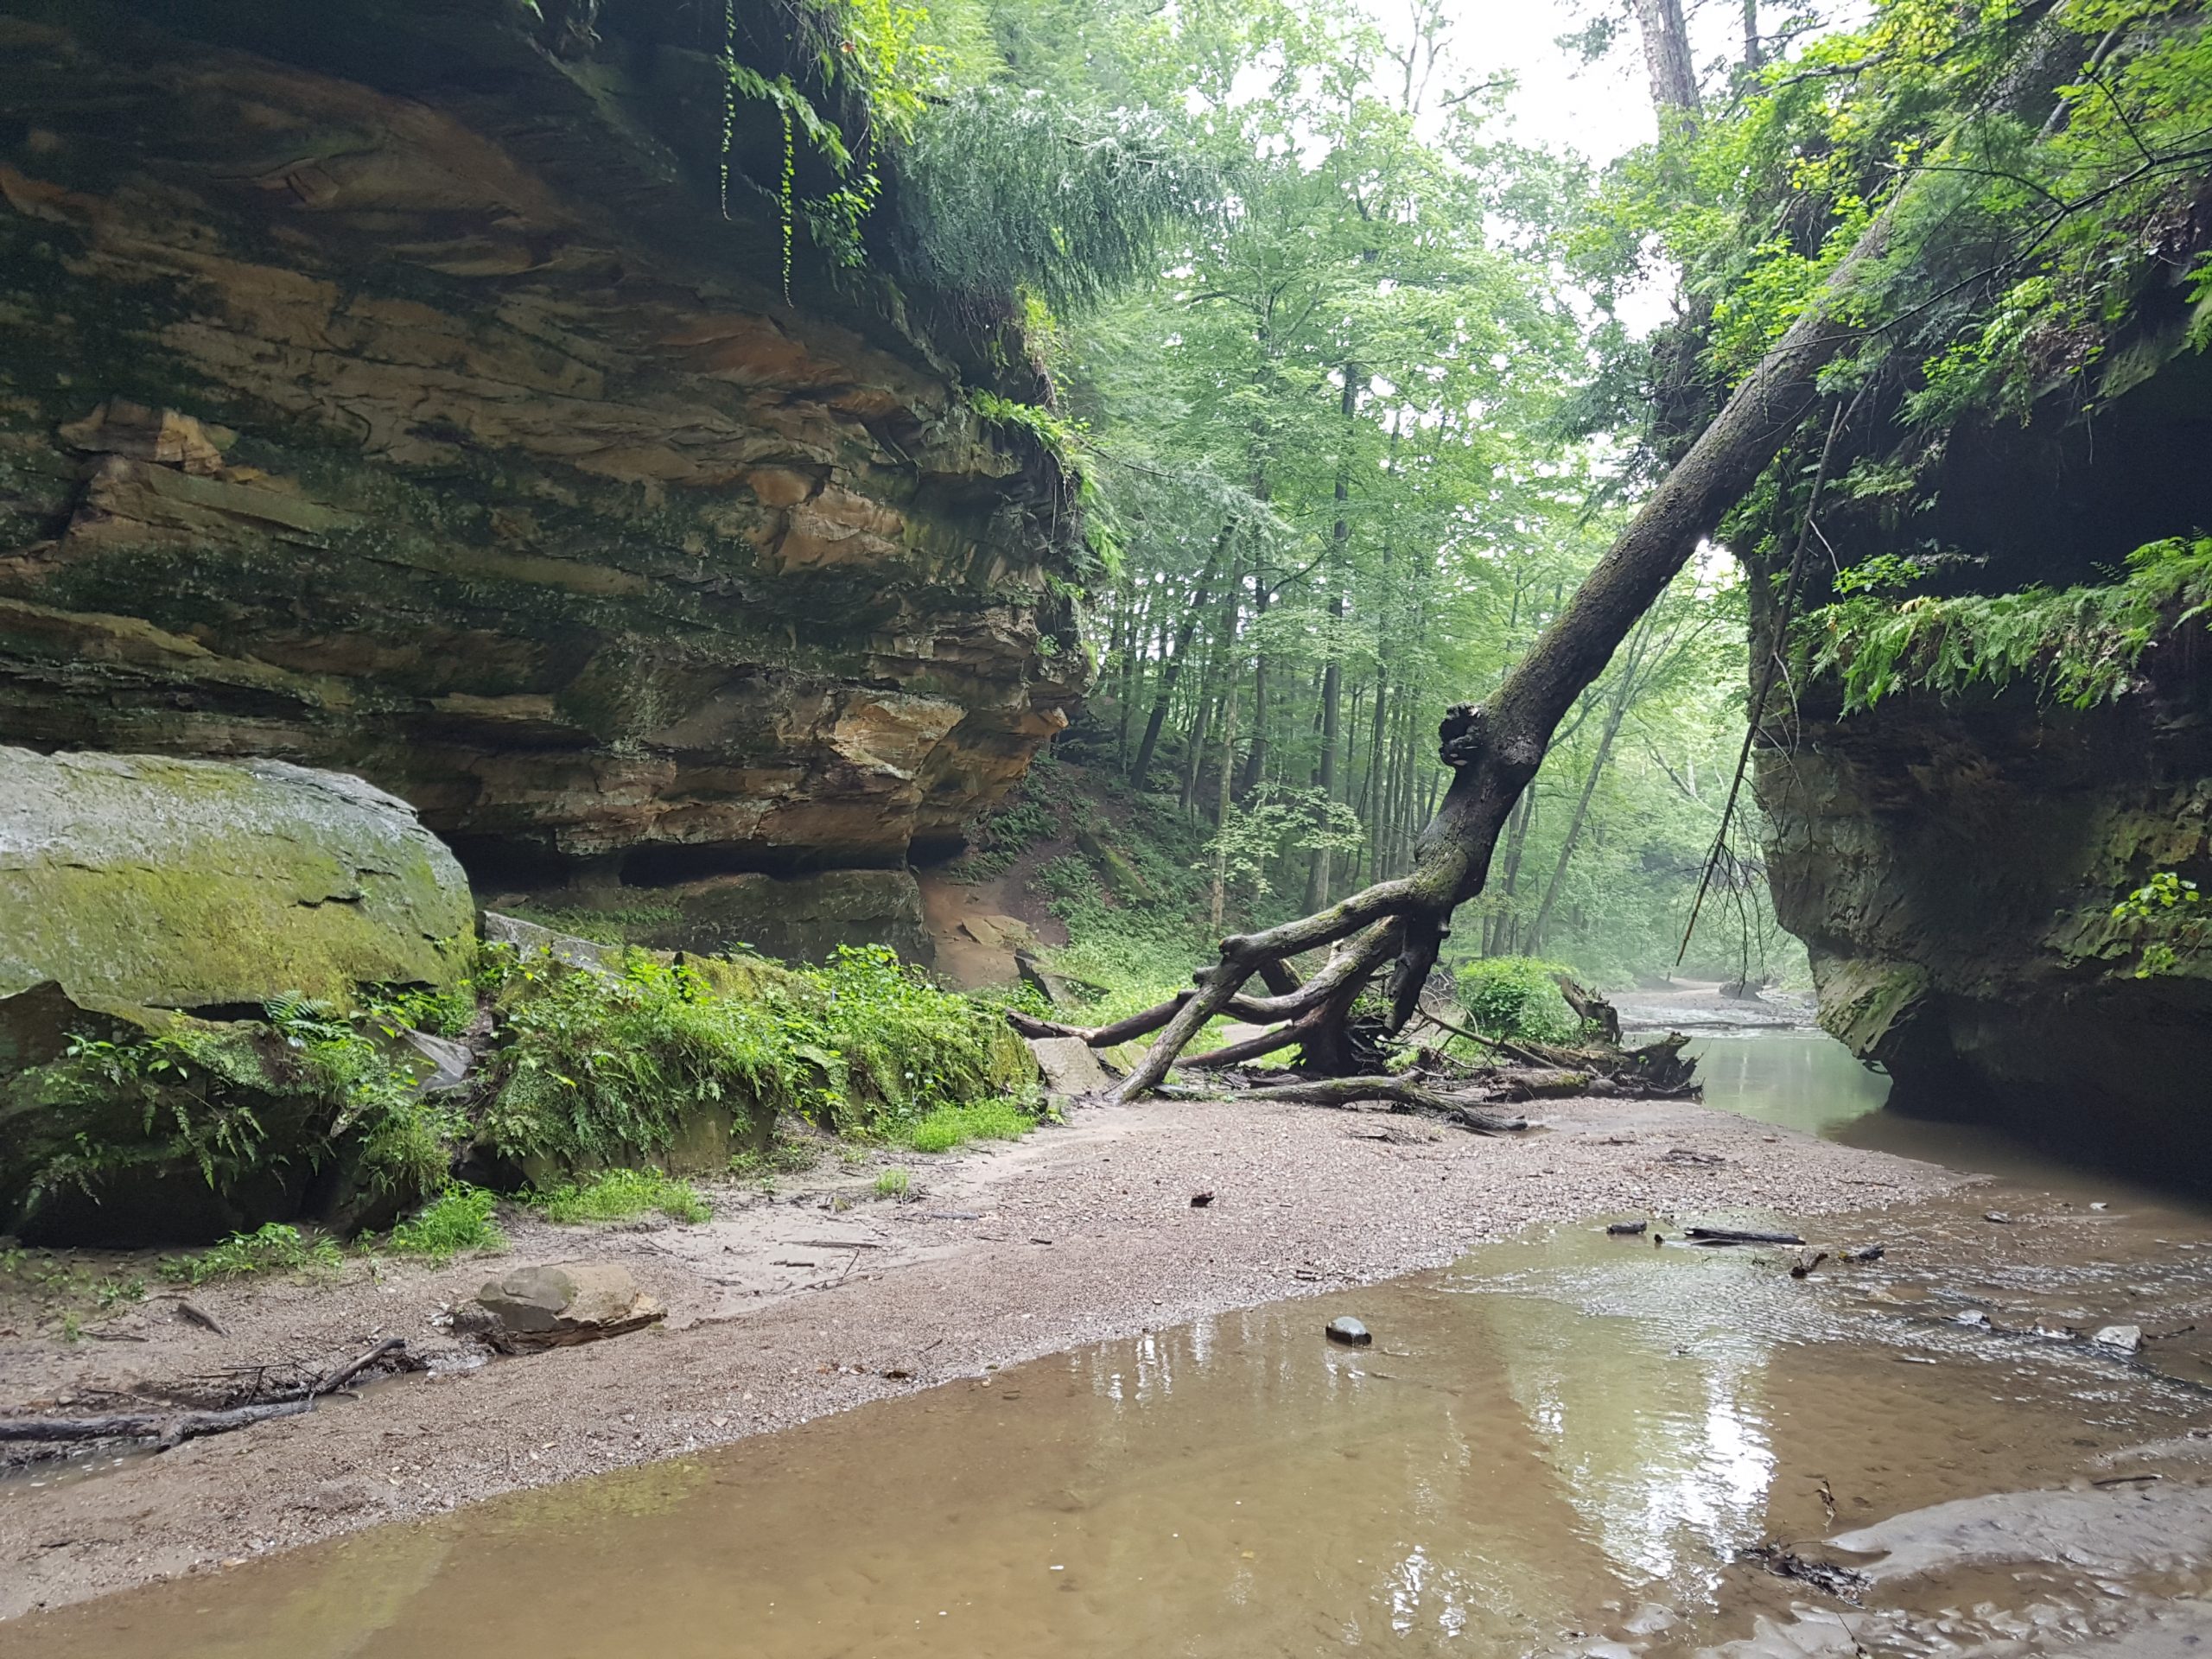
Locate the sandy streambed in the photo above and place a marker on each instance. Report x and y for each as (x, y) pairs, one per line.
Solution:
(783, 1310)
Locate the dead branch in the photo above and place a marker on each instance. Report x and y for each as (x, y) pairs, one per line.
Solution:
(1403, 1095)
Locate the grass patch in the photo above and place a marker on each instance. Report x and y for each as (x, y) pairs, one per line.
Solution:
(458, 1220)
(622, 1195)
(276, 1248)
(948, 1126)
(891, 1183)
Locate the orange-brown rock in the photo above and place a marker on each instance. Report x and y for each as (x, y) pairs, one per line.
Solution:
(384, 389)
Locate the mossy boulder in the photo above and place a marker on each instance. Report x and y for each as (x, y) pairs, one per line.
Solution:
(157, 882)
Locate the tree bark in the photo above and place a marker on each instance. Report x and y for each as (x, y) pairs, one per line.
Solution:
(1667, 59)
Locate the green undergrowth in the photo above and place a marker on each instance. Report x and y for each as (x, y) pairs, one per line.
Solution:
(456, 1223)
(2079, 647)
(276, 1246)
(1517, 998)
(621, 1195)
(948, 1126)
(668, 1061)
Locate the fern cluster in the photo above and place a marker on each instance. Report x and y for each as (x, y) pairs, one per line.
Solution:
(2079, 645)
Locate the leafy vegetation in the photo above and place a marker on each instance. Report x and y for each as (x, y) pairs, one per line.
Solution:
(1516, 997)
(457, 1222)
(276, 1246)
(891, 1183)
(622, 1195)
(2079, 646)
(945, 1128)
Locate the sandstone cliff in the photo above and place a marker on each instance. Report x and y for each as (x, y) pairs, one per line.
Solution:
(384, 388)
(1952, 860)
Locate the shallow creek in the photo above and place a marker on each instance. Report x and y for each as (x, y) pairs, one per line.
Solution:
(1563, 1445)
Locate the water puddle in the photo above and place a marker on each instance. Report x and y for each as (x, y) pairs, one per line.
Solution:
(1568, 1444)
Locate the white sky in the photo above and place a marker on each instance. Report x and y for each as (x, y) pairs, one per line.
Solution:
(1601, 110)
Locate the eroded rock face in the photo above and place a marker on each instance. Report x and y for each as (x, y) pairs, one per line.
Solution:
(383, 392)
(151, 881)
(1952, 863)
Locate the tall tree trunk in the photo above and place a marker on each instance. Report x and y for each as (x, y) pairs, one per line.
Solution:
(1172, 671)
(1667, 59)
(1332, 673)
(1255, 758)
(1498, 928)
(1223, 806)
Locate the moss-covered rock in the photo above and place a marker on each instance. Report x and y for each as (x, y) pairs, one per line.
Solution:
(164, 883)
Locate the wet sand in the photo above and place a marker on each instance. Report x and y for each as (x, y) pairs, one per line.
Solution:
(780, 1314)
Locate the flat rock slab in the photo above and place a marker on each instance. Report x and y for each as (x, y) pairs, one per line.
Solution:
(1070, 1067)
(538, 1307)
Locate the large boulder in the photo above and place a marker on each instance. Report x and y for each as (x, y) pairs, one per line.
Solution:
(539, 1307)
(154, 882)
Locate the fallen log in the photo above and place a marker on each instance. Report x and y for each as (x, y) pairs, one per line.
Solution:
(174, 1428)
(1732, 1235)
(170, 1430)
(1403, 1095)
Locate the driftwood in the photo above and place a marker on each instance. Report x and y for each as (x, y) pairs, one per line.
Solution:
(170, 1429)
(1591, 1009)
(174, 1428)
(1404, 1096)
(1732, 1235)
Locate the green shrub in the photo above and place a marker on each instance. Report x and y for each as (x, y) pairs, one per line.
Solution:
(891, 1183)
(216, 1096)
(620, 1195)
(1516, 997)
(599, 1067)
(459, 1220)
(275, 1247)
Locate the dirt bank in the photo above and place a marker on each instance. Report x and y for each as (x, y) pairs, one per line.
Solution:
(788, 1307)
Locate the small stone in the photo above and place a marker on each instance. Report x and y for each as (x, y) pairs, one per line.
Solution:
(1349, 1332)
(1201, 1200)
(2122, 1338)
(1865, 1252)
(1975, 1317)
(1996, 1215)
(1626, 1229)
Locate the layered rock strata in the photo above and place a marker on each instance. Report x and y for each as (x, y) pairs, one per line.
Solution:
(382, 387)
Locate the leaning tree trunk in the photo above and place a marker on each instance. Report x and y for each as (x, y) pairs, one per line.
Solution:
(1494, 750)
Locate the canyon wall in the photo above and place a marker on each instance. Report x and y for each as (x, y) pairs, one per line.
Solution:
(1953, 860)
(394, 388)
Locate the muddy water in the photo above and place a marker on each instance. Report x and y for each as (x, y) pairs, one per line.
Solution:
(1561, 1446)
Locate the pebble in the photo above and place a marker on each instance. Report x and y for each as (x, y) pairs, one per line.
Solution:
(1349, 1332)
(2124, 1338)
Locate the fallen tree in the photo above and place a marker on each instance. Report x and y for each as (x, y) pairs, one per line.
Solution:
(1494, 749)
